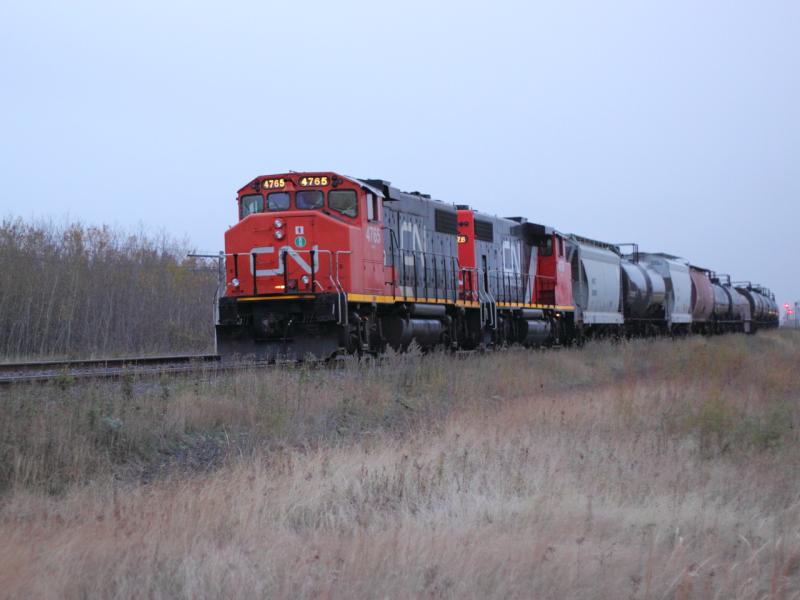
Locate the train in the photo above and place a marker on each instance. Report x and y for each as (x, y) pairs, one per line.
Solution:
(321, 265)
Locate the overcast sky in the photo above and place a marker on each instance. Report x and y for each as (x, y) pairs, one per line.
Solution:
(672, 124)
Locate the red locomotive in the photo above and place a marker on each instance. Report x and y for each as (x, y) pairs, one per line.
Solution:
(323, 264)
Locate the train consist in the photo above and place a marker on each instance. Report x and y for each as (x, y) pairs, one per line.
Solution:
(321, 264)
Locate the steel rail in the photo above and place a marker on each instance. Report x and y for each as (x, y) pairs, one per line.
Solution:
(96, 369)
(41, 371)
(105, 362)
(64, 372)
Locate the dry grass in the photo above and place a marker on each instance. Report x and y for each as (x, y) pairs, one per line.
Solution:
(644, 470)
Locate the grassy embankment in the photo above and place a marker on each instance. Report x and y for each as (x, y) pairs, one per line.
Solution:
(642, 470)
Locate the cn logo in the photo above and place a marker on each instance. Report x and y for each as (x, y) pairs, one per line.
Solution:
(292, 254)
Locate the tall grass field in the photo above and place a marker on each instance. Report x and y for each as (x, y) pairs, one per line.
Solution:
(635, 470)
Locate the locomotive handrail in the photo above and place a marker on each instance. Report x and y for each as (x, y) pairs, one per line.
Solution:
(282, 253)
(488, 304)
(430, 252)
(392, 239)
(336, 285)
(428, 257)
(219, 291)
(514, 286)
(491, 306)
(344, 315)
(503, 276)
(513, 283)
(510, 286)
(333, 274)
(547, 284)
(473, 291)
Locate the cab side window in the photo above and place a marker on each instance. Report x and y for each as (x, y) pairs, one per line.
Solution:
(373, 213)
(344, 202)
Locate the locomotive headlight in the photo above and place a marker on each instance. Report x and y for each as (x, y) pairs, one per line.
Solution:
(235, 282)
(304, 279)
(279, 234)
(278, 223)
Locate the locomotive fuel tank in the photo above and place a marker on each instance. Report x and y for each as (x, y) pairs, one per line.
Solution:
(643, 290)
(423, 323)
(400, 331)
(534, 332)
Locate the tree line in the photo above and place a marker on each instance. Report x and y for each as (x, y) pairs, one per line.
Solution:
(74, 290)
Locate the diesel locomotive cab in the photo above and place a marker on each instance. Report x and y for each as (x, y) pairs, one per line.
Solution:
(292, 235)
(288, 262)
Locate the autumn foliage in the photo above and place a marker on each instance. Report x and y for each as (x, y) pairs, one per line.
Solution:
(75, 290)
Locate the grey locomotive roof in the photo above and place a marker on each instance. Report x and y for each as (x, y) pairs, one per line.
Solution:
(392, 193)
(368, 184)
(389, 192)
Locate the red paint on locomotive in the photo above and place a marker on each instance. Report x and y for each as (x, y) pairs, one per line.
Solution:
(305, 233)
(468, 281)
(553, 274)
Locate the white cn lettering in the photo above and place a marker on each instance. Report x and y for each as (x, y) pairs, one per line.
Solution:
(410, 236)
(293, 254)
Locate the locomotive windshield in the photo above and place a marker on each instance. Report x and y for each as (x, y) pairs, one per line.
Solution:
(278, 201)
(309, 199)
(251, 204)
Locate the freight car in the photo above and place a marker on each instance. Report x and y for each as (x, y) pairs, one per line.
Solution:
(321, 264)
(764, 312)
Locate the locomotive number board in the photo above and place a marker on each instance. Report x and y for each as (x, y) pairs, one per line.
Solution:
(272, 184)
(308, 181)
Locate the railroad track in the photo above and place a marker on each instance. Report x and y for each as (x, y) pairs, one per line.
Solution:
(115, 368)
(109, 368)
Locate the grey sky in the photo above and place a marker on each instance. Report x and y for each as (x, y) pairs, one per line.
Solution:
(674, 124)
